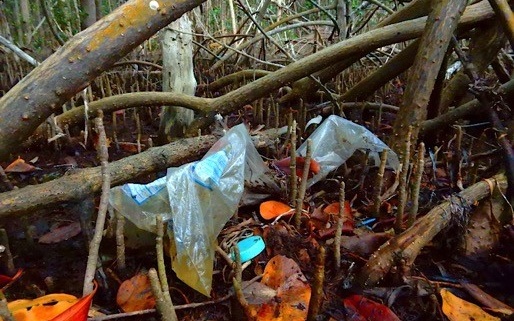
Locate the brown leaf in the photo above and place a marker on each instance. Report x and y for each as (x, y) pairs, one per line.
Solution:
(486, 299)
(61, 233)
(483, 229)
(19, 166)
(258, 293)
(278, 269)
(365, 244)
(135, 294)
(293, 292)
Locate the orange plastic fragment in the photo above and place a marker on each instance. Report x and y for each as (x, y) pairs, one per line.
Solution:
(271, 209)
(79, 310)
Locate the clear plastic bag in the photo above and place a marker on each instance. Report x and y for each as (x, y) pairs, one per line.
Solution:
(336, 139)
(203, 196)
(196, 200)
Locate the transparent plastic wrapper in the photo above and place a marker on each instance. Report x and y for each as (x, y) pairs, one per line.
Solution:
(336, 139)
(203, 196)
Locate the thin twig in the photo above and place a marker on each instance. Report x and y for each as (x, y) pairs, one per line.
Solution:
(341, 218)
(416, 185)
(7, 255)
(94, 247)
(120, 241)
(402, 187)
(484, 100)
(165, 309)
(317, 286)
(377, 192)
(237, 282)
(303, 185)
(148, 311)
(5, 314)
(161, 267)
(138, 128)
(292, 166)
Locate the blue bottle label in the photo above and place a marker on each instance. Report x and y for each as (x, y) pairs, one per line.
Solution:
(208, 171)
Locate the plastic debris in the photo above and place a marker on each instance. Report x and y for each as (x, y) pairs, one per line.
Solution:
(249, 248)
(196, 200)
(336, 139)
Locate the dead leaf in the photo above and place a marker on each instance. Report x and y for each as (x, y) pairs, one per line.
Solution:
(278, 269)
(272, 209)
(333, 209)
(79, 310)
(457, 309)
(60, 234)
(368, 309)
(365, 244)
(293, 292)
(258, 293)
(6, 280)
(135, 294)
(19, 166)
(285, 163)
(130, 147)
(486, 299)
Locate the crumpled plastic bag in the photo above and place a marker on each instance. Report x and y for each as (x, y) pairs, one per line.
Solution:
(336, 139)
(196, 200)
(203, 196)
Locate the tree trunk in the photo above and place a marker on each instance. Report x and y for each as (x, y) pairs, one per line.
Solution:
(88, 10)
(25, 20)
(441, 24)
(177, 76)
(74, 65)
(342, 15)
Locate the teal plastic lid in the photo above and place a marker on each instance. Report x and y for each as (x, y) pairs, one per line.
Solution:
(250, 248)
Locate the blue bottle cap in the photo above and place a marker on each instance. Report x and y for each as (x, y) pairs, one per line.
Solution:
(249, 248)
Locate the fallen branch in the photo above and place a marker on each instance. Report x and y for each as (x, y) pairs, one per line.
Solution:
(81, 183)
(124, 101)
(404, 248)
